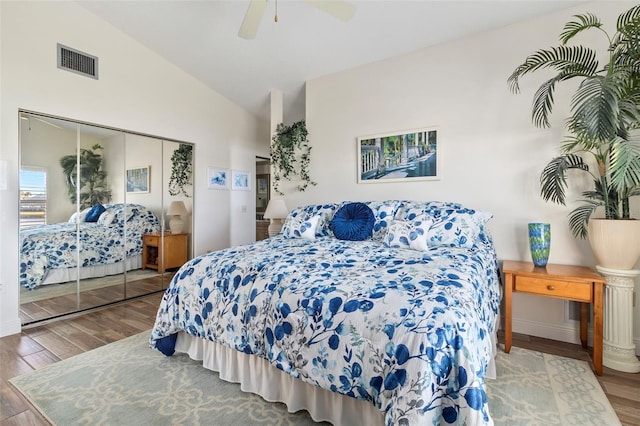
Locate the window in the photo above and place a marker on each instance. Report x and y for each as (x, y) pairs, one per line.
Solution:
(33, 196)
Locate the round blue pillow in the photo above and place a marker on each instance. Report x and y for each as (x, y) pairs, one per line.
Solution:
(353, 222)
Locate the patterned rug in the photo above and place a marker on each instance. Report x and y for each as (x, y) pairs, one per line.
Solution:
(126, 383)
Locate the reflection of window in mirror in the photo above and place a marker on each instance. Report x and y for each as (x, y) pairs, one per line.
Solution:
(33, 196)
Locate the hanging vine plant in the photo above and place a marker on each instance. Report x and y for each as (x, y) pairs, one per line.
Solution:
(290, 154)
(181, 168)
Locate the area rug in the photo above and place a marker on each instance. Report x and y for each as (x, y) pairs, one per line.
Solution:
(126, 383)
(63, 289)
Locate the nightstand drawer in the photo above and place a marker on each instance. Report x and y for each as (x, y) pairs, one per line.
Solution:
(545, 287)
(152, 240)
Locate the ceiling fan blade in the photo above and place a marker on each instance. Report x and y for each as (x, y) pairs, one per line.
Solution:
(340, 9)
(252, 19)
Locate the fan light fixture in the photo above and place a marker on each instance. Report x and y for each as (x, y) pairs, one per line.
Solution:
(339, 9)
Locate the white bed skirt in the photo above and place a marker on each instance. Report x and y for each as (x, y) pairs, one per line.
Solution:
(55, 276)
(257, 375)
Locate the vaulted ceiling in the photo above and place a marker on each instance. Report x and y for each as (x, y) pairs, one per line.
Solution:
(201, 37)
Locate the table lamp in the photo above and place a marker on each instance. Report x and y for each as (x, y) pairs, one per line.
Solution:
(176, 209)
(276, 211)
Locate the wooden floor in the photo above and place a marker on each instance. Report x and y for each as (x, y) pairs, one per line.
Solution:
(60, 305)
(45, 344)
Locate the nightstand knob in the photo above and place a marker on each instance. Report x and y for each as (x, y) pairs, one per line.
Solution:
(550, 287)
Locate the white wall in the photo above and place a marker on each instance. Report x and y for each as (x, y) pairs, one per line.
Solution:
(137, 91)
(491, 155)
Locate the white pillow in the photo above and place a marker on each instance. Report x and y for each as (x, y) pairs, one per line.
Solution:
(79, 216)
(410, 234)
(106, 218)
(301, 228)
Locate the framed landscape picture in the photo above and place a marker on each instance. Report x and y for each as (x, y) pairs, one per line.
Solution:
(399, 156)
(217, 178)
(138, 180)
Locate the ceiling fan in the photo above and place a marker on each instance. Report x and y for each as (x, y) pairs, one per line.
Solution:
(340, 9)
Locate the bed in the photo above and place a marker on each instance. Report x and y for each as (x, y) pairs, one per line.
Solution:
(396, 328)
(49, 254)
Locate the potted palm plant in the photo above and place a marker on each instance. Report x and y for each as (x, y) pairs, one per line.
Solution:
(603, 132)
(91, 177)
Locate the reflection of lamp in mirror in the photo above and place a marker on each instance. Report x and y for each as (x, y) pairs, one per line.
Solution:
(176, 209)
(276, 211)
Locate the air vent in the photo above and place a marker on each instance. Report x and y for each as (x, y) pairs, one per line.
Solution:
(78, 62)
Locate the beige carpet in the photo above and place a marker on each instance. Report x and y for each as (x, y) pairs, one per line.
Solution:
(126, 383)
(63, 289)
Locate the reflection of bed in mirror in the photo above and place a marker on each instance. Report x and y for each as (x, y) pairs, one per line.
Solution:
(49, 253)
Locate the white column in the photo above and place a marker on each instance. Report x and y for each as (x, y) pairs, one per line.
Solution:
(619, 352)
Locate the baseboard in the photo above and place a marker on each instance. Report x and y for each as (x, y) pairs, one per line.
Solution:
(10, 327)
(565, 333)
(569, 332)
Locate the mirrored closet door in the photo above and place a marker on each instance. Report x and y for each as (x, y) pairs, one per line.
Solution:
(94, 224)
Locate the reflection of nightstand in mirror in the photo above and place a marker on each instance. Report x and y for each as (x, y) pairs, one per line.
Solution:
(174, 249)
(262, 229)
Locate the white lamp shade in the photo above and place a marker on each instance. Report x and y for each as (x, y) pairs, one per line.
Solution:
(177, 208)
(276, 209)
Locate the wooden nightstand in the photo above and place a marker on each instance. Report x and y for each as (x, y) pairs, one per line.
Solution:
(174, 250)
(563, 282)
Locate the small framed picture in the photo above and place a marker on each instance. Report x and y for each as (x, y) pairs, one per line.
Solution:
(240, 180)
(217, 178)
(262, 184)
(138, 180)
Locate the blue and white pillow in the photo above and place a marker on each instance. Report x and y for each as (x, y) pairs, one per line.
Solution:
(325, 211)
(409, 234)
(302, 228)
(106, 218)
(80, 216)
(383, 213)
(457, 227)
(409, 210)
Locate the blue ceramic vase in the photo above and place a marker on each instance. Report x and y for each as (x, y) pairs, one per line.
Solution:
(540, 242)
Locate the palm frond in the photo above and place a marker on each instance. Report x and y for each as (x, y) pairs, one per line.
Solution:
(553, 179)
(579, 218)
(543, 104)
(629, 21)
(569, 61)
(624, 165)
(582, 22)
(595, 106)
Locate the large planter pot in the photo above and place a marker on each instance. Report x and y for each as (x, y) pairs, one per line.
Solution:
(615, 243)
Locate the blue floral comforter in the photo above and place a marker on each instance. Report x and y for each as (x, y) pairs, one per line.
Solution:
(408, 331)
(47, 247)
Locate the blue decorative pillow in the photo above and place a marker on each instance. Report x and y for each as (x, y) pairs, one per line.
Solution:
(94, 214)
(353, 222)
